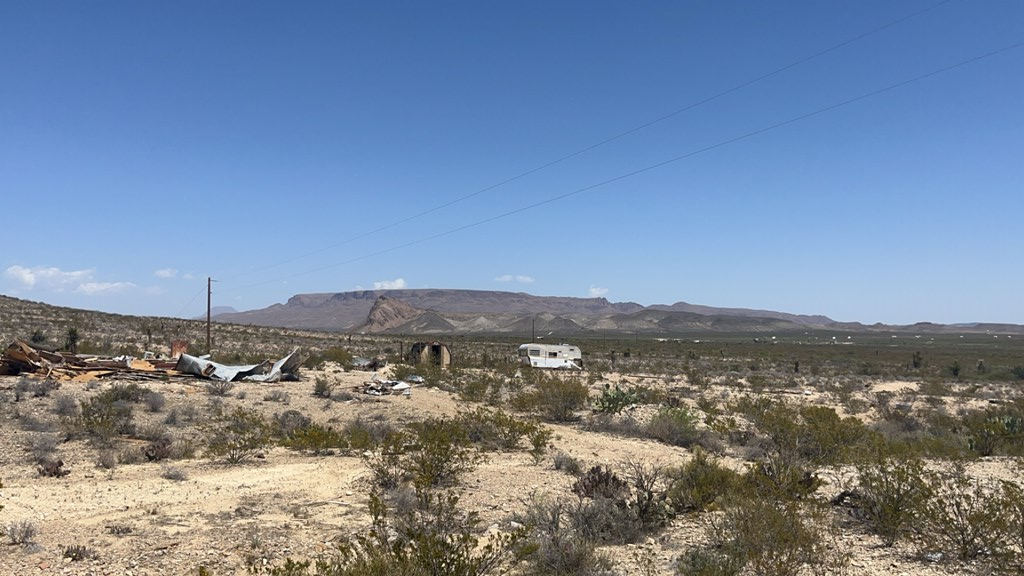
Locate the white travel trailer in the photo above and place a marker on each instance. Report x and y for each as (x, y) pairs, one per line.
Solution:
(557, 356)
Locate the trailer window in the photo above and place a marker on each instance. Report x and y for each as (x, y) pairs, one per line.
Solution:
(534, 352)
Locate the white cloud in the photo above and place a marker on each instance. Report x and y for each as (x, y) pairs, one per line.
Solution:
(596, 292)
(166, 273)
(47, 277)
(520, 278)
(188, 276)
(40, 279)
(94, 288)
(396, 284)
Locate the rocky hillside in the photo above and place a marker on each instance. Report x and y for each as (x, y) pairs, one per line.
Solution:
(436, 311)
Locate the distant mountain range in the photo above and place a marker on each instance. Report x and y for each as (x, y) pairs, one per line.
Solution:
(452, 311)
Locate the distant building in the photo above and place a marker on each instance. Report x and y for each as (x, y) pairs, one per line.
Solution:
(436, 353)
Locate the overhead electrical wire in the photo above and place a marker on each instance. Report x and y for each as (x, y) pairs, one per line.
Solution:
(607, 140)
(663, 163)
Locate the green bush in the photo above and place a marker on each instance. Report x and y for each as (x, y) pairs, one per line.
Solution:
(494, 430)
(710, 561)
(772, 538)
(700, 484)
(323, 388)
(676, 426)
(441, 453)
(316, 439)
(120, 392)
(891, 491)
(103, 418)
(433, 537)
(237, 436)
(964, 518)
(557, 400)
(386, 463)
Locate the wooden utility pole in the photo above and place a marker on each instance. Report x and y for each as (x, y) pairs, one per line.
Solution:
(209, 297)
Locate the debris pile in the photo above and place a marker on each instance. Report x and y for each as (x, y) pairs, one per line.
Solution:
(20, 357)
(378, 387)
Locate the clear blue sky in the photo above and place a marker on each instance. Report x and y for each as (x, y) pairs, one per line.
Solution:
(286, 148)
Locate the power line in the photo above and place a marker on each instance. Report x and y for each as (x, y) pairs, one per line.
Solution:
(613, 138)
(663, 163)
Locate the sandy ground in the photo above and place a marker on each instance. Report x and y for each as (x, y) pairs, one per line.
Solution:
(228, 518)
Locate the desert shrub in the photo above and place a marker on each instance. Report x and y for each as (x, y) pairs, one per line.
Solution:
(65, 406)
(287, 423)
(277, 396)
(237, 436)
(21, 389)
(557, 549)
(21, 532)
(557, 400)
(709, 561)
(540, 438)
(604, 520)
(119, 529)
(700, 484)
(154, 401)
(676, 426)
(336, 354)
(104, 417)
(613, 509)
(496, 429)
(30, 423)
(316, 439)
(365, 434)
(41, 446)
(441, 452)
(963, 517)
(813, 435)
(889, 495)
(386, 463)
(43, 388)
(771, 538)
(323, 388)
(219, 387)
(563, 461)
(778, 478)
(624, 425)
(434, 537)
(107, 459)
(121, 392)
(994, 431)
(648, 494)
(173, 474)
(78, 552)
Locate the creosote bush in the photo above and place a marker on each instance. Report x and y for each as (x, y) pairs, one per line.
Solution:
(700, 484)
(557, 400)
(432, 537)
(237, 436)
(890, 494)
(676, 426)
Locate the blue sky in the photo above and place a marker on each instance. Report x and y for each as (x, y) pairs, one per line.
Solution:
(862, 160)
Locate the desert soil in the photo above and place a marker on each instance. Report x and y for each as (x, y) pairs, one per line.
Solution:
(285, 504)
